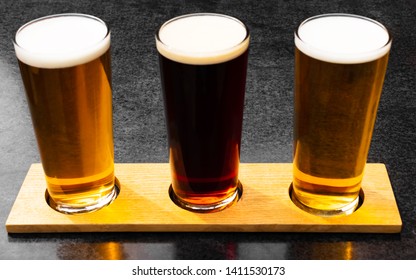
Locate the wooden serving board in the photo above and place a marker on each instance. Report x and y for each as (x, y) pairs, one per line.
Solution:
(144, 205)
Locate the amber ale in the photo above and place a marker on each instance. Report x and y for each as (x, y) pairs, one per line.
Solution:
(204, 98)
(68, 89)
(337, 91)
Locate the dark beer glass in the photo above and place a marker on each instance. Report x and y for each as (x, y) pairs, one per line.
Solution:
(64, 62)
(340, 64)
(203, 65)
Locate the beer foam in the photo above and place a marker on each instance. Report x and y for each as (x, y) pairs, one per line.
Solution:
(202, 39)
(343, 38)
(60, 41)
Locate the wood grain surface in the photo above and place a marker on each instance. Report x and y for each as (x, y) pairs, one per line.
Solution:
(143, 205)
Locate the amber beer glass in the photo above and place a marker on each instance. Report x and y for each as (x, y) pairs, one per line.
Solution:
(203, 65)
(64, 62)
(340, 64)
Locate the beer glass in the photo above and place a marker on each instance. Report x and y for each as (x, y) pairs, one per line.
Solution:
(203, 65)
(340, 64)
(64, 62)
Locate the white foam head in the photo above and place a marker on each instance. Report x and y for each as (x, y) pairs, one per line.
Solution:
(62, 40)
(202, 39)
(343, 38)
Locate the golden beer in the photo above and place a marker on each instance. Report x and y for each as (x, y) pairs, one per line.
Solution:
(337, 91)
(70, 99)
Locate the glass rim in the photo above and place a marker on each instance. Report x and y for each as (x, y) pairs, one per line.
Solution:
(60, 57)
(60, 15)
(386, 46)
(205, 53)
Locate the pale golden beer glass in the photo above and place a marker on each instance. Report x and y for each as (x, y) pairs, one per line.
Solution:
(65, 66)
(203, 65)
(340, 64)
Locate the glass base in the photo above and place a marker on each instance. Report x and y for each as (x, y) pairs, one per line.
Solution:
(69, 209)
(345, 210)
(207, 208)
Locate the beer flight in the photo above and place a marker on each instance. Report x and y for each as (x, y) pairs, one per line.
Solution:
(340, 64)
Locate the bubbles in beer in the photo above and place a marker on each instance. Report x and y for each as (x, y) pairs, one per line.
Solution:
(343, 39)
(61, 41)
(202, 39)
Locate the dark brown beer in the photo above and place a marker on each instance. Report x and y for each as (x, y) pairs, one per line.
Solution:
(71, 109)
(204, 126)
(204, 111)
(335, 111)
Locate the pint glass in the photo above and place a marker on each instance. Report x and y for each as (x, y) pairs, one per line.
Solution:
(340, 64)
(203, 65)
(64, 62)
